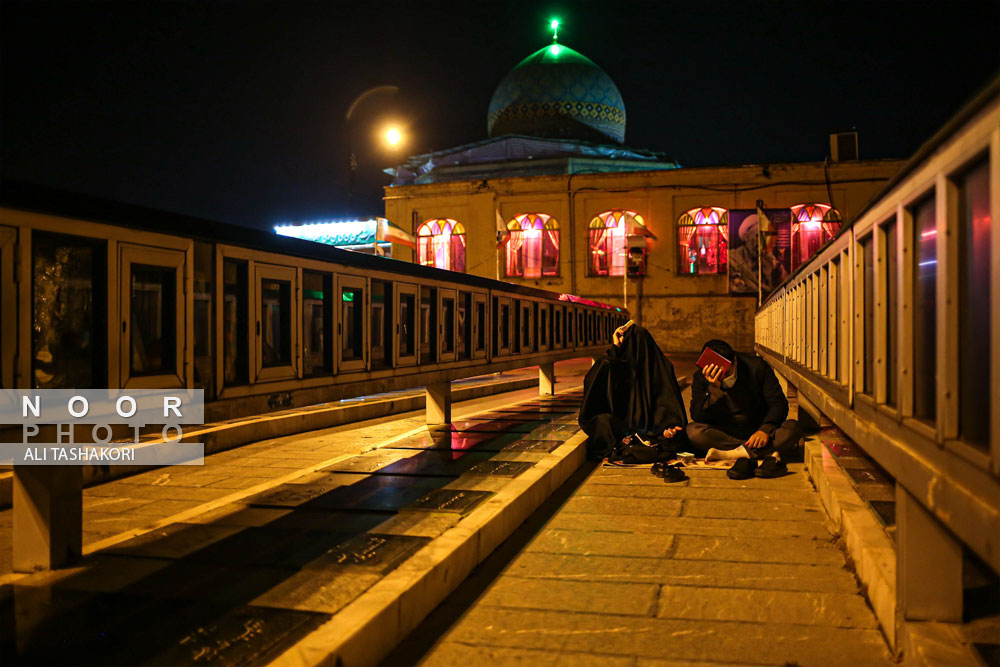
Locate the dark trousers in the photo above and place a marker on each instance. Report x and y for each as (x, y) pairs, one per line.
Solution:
(704, 437)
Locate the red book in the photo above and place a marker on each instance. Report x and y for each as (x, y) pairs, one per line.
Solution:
(710, 356)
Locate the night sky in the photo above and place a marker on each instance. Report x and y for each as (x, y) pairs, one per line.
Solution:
(235, 111)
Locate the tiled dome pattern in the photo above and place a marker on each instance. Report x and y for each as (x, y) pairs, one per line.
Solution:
(553, 85)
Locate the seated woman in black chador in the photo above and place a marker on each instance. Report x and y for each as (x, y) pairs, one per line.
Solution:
(631, 390)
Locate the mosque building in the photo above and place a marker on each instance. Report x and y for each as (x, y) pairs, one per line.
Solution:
(554, 198)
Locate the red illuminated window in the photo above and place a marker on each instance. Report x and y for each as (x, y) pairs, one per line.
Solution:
(532, 246)
(609, 233)
(812, 226)
(441, 243)
(703, 234)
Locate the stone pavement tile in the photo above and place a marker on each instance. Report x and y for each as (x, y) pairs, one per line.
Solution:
(371, 493)
(499, 467)
(478, 483)
(325, 590)
(366, 463)
(194, 478)
(250, 462)
(236, 483)
(802, 550)
(370, 553)
(419, 524)
(656, 662)
(718, 641)
(675, 490)
(641, 476)
(765, 576)
(111, 504)
(525, 445)
(757, 510)
(614, 507)
(327, 478)
(601, 543)
(100, 573)
(596, 597)
(350, 523)
(170, 492)
(838, 610)
(174, 541)
(622, 475)
(685, 525)
(240, 515)
(114, 523)
(516, 455)
(288, 452)
(296, 463)
(106, 490)
(265, 471)
(718, 478)
(456, 654)
(164, 508)
(89, 537)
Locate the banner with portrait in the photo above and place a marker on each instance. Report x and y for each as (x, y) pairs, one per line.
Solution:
(775, 256)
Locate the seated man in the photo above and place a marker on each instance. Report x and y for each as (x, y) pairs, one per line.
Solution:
(742, 413)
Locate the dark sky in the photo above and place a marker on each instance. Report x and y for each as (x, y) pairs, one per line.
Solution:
(234, 111)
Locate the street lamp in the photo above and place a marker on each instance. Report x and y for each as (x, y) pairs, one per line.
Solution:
(352, 159)
(393, 136)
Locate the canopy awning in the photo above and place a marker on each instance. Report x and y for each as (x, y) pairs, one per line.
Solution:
(348, 232)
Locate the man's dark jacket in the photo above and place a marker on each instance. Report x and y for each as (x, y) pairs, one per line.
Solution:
(754, 402)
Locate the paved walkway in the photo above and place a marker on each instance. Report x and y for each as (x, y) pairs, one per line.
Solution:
(234, 563)
(621, 568)
(118, 510)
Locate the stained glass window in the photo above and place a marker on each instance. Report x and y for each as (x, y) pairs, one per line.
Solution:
(609, 234)
(812, 226)
(532, 246)
(703, 234)
(441, 243)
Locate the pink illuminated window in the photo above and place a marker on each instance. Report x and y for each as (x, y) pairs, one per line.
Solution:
(812, 226)
(609, 234)
(703, 234)
(532, 246)
(441, 243)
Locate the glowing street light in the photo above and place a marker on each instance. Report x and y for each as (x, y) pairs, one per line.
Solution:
(352, 160)
(393, 136)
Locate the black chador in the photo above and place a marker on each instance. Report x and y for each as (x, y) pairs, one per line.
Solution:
(630, 390)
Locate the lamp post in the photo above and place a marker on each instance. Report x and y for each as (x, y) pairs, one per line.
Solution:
(352, 159)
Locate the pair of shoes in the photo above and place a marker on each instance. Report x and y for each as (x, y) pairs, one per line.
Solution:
(770, 468)
(669, 473)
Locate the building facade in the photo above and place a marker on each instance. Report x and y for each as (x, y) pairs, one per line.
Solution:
(554, 200)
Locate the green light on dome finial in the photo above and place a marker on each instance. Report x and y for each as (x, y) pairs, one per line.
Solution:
(554, 25)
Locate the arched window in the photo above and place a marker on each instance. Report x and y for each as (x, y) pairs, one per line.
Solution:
(703, 234)
(609, 234)
(812, 226)
(533, 246)
(441, 243)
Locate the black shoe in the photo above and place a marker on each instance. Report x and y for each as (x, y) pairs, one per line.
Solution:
(673, 473)
(771, 468)
(742, 469)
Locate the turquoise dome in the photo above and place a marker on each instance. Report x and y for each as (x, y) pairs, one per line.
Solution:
(559, 93)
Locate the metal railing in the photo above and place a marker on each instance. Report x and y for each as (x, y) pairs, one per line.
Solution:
(891, 331)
